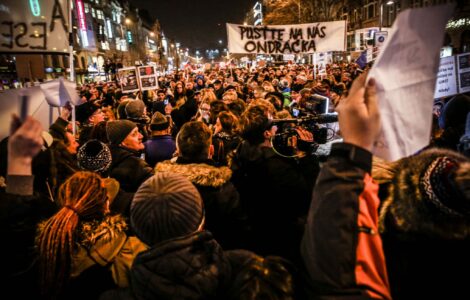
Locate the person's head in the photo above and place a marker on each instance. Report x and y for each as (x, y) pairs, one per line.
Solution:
(165, 207)
(428, 194)
(161, 95)
(256, 123)
(82, 197)
(229, 96)
(226, 121)
(237, 107)
(71, 143)
(193, 141)
(89, 113)
(160, 124)
(94, 156)
(259, 92)
(217, 84)
(135, 110)
(124, 133)
(262, 278)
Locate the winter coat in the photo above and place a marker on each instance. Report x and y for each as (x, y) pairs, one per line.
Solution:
(276, 193)
(341, 248)
(20, 213)
(128, 168)
(189, 267)
(224, 216)
(102, 258)
(159, 148)
(426, 250)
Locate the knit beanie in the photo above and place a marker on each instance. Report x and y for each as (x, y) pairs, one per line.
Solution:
(94, 156)
(454, 112)
(121, 110)
(118, 130)
(159, 122)
(135, 109)
(166, 206)
(429, 194)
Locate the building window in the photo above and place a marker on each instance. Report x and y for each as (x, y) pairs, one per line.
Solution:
(99, 14)
(369, 9)
(93, 12)
(87, 7)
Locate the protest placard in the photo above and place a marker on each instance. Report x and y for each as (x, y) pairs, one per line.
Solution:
(446, 83)
(148, 78)
(128, 79)
(287, 39)
(406, 72)
(34, 26)
(463, 64)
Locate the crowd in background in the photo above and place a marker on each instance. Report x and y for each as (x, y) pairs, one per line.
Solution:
(179, 193)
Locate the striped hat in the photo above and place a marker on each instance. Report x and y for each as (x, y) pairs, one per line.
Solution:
(166, 206)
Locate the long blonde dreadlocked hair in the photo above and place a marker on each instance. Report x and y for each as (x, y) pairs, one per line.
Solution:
(83, 196)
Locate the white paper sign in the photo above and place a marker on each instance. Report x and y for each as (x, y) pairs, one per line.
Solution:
(128, 79)
(287, 39)
(60, 91)
(34, 26)
(463, 63)
(147, 78)
(446, 83)
(405, 72)
(37, 107)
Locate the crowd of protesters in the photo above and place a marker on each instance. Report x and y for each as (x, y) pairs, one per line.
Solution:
(179, 193)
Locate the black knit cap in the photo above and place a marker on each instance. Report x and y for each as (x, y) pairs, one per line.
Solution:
(94, 156)
(118, 130)
(166, 206)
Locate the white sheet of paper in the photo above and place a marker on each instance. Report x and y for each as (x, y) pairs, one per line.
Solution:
(405, 72)
(60, 91)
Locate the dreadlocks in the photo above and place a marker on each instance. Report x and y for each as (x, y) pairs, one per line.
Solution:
(82, 197)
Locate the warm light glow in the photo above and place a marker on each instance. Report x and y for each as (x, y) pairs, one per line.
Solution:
(128, 21)
(152, 34)
(390, 2)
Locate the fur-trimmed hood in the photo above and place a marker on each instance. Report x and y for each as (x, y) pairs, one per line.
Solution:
(407, 205)
(104, 230)
(198, 173)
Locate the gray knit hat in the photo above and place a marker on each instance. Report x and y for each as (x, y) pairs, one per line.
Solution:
(166, 206)
(94, 156)
(135, 109)
(118, 130)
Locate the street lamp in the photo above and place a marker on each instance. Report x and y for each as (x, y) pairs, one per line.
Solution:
(389, 2)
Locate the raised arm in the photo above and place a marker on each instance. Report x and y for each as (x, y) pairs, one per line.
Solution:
(341, 248)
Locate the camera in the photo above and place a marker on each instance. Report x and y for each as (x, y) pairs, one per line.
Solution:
(287, 142)
(317, 104)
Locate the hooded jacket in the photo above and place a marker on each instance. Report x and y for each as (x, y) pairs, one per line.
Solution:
(225, 218)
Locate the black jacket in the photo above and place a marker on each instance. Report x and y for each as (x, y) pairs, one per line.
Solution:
(276, 193)
(128, 168)
(190, 267)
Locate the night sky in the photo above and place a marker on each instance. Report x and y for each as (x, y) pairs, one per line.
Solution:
(196, 24)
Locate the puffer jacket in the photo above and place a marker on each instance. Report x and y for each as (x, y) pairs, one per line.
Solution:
(190, 267)
(225, 218)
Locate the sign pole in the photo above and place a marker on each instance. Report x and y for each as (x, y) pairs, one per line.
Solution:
(71, 65)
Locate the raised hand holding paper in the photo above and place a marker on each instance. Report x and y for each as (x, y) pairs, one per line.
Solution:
(405, 72)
